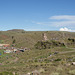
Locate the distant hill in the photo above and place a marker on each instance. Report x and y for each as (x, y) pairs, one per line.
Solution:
(30, 38)
(17, 30)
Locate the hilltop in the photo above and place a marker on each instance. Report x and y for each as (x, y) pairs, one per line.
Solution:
(16, 30)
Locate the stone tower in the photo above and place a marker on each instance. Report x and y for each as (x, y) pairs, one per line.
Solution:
(45, 37)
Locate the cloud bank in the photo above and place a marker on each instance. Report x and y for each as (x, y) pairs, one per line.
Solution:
(60, 21)
(63, 20)
(66, 29)
(63, 17)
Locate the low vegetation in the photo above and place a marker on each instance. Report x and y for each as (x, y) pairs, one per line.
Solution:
(48, 44)
(51, 57)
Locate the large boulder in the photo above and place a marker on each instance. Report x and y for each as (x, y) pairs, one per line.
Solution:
(73, 63)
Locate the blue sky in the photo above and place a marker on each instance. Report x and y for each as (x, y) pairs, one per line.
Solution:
(37, 15)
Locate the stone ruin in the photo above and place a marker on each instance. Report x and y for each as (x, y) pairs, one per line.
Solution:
(44, 37)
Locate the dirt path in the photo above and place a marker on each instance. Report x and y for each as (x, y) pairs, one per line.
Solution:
(68, 51)
(64, 52)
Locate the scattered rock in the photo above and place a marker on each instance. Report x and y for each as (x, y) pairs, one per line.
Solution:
(35, 73)
(13, 73)
(68, 64)
(28, 73)
(73, 63)
(1, 64)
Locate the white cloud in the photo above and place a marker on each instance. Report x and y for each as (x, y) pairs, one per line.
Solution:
(66, 29)
(60, 21)
(64, 20)
(58, 24)
(63, 17)
(63, 23)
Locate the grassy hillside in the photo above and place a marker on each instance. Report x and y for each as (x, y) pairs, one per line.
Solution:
(46, 62)
(30, 38)
(56, 60)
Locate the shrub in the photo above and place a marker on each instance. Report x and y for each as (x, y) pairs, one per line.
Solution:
(48, 44)
(36, 60)
(56, 73)
(58, 60)
(72, 72)
(6, 73)
(13, 41)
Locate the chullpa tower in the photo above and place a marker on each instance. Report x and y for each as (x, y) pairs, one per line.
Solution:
(45, 37)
